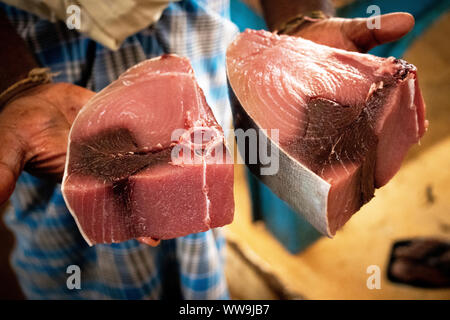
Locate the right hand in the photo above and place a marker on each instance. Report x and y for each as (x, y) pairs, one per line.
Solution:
(34, 129)
(354, 35)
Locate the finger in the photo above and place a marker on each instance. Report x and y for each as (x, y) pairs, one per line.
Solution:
(46, 154)
(11, 162)
(365, 34)
(149, 241)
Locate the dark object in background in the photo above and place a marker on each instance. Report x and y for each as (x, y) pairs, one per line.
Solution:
(421, 262)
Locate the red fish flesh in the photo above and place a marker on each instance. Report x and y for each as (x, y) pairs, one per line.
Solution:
(345, 119)
(123, 178)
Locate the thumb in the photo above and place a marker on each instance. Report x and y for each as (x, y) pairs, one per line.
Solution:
(11, 163)
(366, 34)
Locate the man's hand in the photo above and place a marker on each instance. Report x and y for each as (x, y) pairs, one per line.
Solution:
(34, 128)
(354, 35)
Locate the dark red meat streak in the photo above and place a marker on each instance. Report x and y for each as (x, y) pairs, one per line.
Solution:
(113, 156)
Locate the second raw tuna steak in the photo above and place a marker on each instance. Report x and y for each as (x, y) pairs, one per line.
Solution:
(140, 160)
(345, 119)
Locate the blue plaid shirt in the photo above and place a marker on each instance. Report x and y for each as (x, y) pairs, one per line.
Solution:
(48, 241)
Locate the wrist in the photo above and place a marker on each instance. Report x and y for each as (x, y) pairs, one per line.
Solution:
(35, 78)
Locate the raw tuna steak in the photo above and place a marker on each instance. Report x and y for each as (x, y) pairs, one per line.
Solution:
(345, 120)
(126, 171)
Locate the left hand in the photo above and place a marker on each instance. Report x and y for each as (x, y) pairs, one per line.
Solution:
(354, 35)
